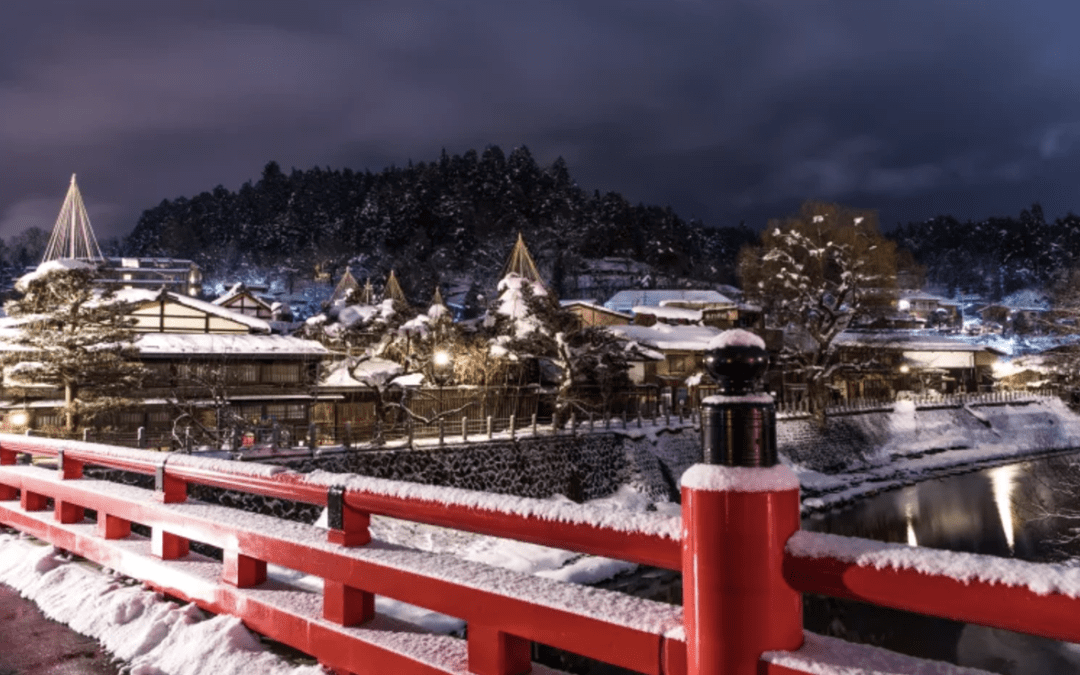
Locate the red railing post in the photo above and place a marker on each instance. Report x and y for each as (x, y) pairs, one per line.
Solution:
(168, 546)
(168, 489)
(68, 469)
(739, 508)
(32, 501)
(243, 571)
(493, 652)
(348, 526)
(111, 527)
(736, 603)
(8, 458)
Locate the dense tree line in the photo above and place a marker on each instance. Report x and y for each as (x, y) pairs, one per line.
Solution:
(996, 256)
(457, 216)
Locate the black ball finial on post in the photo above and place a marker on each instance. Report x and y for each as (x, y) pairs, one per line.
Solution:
(738, 426)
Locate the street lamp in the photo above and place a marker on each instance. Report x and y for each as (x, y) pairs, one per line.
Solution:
(440, 361)
(442, 368)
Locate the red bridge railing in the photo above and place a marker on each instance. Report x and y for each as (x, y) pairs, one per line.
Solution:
(743, 559)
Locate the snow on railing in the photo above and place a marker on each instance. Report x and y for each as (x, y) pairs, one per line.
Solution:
(738, 545)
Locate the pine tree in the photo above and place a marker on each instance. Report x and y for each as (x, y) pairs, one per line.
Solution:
(75, 338)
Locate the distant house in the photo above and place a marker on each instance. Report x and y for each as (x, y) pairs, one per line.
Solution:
(591, 314)
(173, 274)
(682, 349)
(1021, 313)
(625, 301)
(708, 307)
(169, 312)
(929, 309)
(673, 316)
(880, 363)
(241, 299)
(202, 359)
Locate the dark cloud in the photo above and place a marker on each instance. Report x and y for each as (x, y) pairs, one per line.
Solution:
(727, 111)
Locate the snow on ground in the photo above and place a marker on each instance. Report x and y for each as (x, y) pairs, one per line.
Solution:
(924, 444)
(154, 636)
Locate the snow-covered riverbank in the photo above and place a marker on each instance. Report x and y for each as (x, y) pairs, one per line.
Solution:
(916, 445)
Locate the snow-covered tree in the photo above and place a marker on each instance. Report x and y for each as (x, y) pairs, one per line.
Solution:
(816, 274)
(74, 337)
(585, 363)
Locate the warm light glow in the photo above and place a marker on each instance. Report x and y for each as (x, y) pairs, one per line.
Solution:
(905, 369)
(1003, 480)
(19, 418)
(903, 305)
(909, 512)
(441, 358)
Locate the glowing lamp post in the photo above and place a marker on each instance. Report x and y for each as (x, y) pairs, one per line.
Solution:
(442, 369)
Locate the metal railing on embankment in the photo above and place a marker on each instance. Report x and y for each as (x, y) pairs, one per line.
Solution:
(738, 545)
(443, 430)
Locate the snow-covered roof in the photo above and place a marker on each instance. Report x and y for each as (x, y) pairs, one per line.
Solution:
(624, 300)
(350, 374)
(352, 314)
(668, 338)
(669, 313)
(910, 341)
(589, 304)
(921, 295)
(236, 291)
(144, 296)
(191, 344)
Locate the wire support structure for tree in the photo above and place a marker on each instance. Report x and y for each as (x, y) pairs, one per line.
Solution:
(72, 235)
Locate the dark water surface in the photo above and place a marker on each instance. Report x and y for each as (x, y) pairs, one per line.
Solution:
(999, 511)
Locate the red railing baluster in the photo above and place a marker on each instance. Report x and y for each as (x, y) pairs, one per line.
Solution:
(242, 571)
(345, 605)
(168, 546)
(8, 458)
(494, 652)
(111, 527)
(32, 501)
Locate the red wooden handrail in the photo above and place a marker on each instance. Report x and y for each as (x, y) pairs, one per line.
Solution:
(744, 563)
(575, 529)
(1011, 594)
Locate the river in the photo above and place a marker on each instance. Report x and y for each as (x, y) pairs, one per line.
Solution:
(993, 511)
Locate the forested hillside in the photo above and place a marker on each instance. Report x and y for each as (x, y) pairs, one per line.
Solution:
(451, 221)
(996, 256)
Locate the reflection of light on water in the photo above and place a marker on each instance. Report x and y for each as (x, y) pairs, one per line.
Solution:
(909, 513)
(1003, 480)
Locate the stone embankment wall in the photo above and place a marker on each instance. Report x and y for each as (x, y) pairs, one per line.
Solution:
(857, 441)
(594, 465)
(583, 467)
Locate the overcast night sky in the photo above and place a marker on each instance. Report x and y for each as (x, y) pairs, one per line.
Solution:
(727, 111)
